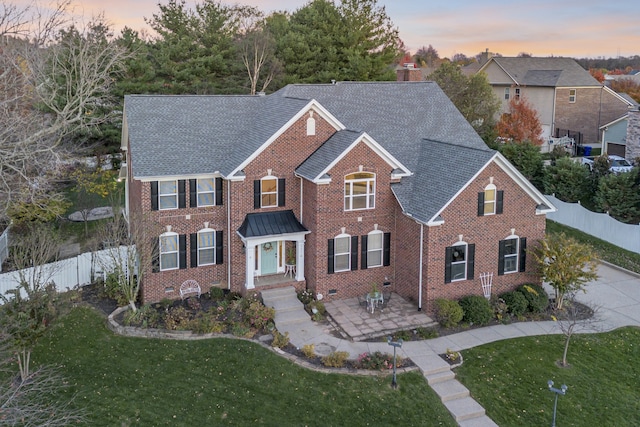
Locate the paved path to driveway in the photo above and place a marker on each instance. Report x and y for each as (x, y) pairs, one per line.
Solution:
(616, 293)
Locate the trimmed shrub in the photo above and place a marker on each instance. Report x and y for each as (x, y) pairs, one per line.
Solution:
(279, 340)
(309, 351)
(536, 296)
(216, 294)
(448, 312)
(477, 309)
(517, 304)
(336, 359)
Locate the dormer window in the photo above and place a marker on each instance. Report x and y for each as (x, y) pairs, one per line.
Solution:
(359, 191)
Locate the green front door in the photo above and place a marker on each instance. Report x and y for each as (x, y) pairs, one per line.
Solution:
(268, 258)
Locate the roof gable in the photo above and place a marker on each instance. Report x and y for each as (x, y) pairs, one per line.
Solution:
(548, 72)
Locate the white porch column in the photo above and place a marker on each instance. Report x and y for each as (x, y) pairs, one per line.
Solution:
(300, 260)
(250, 260)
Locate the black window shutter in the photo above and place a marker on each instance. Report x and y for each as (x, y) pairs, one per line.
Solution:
(155, 255)
(182, 251)
(354, 253)
(193, 193)
(193, 246)
(219, 242)
(181, 193)
(523, 254)
(386, 251)
(471, 260)
(499, 199)
(256, 194)
(448, 256)
(154, 195)
(330, 255)
(218, 184)
(281, 193)
(501, 258)
(363, 252)
(481, 203)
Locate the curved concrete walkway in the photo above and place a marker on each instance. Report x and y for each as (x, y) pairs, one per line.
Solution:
(616, 293)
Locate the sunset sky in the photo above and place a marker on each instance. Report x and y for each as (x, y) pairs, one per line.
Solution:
(577, 28)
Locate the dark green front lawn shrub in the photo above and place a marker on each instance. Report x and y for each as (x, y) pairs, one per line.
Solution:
(216, 294)
(477, 309)
(517, 304)
(448, 312)
(536, 296)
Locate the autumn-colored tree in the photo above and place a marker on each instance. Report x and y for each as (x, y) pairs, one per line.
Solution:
(521, 123)
(597, 74)
(566, 264)
(628, 86)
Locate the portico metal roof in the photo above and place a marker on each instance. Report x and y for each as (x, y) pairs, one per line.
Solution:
(270, 224)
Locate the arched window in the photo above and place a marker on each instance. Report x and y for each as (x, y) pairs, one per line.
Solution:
(490, 199)
(359, 191)
(342, 253)
(269, 192)
(311, 126)
(459, 262)
(169, 251)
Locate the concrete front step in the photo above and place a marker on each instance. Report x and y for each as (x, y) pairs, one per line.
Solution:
(284, 304)
(439, 377)
(450, 390)
(464, 409)
(278, 292)
(290, 317)
(482, 421)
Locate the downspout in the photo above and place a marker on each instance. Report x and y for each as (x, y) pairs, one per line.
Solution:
(301, 204)
(420, 268)
(229, 234)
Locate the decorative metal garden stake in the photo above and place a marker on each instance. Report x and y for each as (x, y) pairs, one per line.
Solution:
(562, 390)
(396, 344)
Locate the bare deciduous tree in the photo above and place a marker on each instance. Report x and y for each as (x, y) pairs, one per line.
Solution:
(576, 317)
(49, 89)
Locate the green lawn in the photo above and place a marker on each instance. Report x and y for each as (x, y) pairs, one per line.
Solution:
(606, 251)
(509, 378)
(148, 382)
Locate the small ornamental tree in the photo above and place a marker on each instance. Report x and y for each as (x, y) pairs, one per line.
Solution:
(521, 123)
(566, 264)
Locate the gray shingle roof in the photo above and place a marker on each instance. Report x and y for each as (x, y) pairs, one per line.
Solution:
(327, 153)
(553, 72)
(448, 167)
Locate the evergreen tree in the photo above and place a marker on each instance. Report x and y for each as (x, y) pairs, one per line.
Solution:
(619, 194)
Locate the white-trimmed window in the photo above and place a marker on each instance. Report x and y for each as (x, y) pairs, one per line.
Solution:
(269, 192)
(517, 95)
(169, 251)
(206, 247)
(489, 199)
(342, 253)
(506, 93)
(359, 191)
(459, 262)
(206, 189)
(572, 95)
(168, 195)
(375, 241)
(510, 250)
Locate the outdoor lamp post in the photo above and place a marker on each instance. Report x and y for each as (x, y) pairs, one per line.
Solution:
(394, 344)
(562, 390)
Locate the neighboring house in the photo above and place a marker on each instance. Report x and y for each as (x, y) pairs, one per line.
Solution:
(568, 100)
(616, 133)
(380, 182)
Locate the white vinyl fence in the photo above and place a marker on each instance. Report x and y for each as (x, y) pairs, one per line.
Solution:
(4, 246)
(69, 273)
(600, 225)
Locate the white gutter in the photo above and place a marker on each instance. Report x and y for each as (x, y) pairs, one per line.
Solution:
(420, 268)
(228, 234)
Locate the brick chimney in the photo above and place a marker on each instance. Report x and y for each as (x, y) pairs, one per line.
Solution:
(409, 73)
(633, 135)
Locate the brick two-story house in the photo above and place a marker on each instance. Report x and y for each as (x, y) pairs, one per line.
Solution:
(354, 183)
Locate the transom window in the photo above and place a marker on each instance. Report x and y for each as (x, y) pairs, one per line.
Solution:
(168, 251)
(572, 95)
(206, 192)
(490, 199)
(510, 246)
(168, 194)
(459, 262)
(374, 249)
(342, 253)
(269, 192)
(206, 247)
(359, 191)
